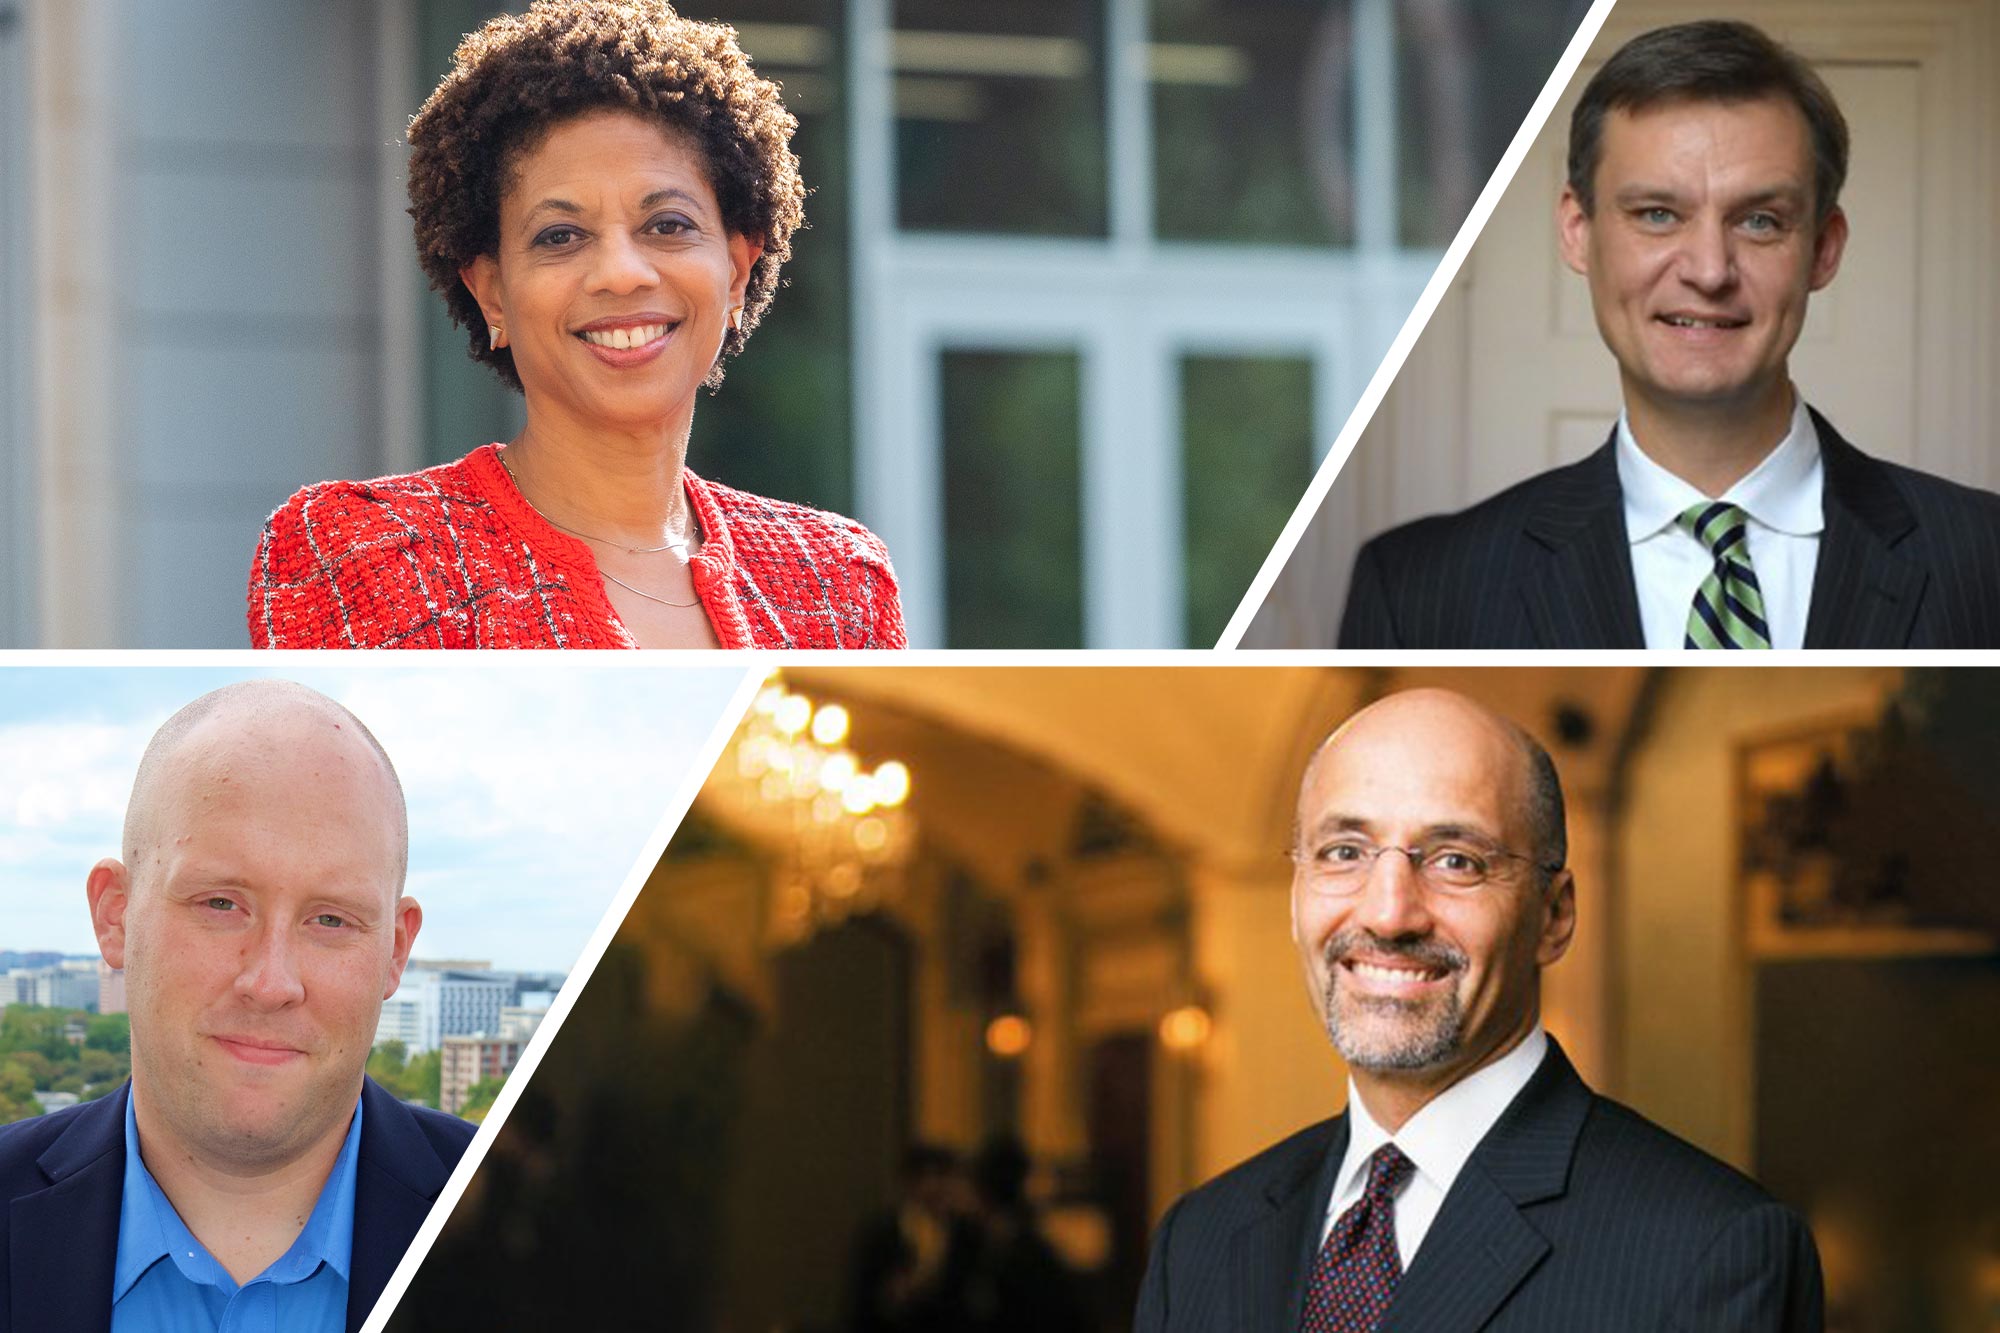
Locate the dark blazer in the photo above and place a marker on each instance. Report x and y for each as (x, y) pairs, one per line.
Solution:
(1907, 560)
(1573, 1215)
(62, 1179)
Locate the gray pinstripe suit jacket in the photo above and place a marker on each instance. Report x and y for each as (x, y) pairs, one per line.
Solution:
(1907, 560)
(1573, 1215)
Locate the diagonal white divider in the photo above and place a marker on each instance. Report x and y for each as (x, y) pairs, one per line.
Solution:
(1413, 327)
(579, 977)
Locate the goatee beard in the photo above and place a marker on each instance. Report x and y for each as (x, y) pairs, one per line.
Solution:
(1383, 1033)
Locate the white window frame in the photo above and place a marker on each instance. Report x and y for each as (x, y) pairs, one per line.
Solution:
(1129, 305)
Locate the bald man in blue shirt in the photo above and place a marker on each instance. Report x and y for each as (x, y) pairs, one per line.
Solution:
(250, 1176)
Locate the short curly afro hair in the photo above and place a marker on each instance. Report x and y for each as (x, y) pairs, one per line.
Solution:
(518, 77)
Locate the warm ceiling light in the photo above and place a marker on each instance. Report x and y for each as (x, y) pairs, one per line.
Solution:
(830, 724)
(792, 714)
(838, 770)
(871, 835)
(1009, 1036)
(1185, 1028)
(892, 784)
(826, 815)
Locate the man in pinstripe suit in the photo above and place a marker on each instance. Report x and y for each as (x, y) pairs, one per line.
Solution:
(1705, 167)
(1428, 894)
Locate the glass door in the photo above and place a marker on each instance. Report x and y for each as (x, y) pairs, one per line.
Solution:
(1121, 271)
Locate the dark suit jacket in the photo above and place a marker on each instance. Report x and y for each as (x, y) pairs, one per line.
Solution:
(62, 1179)
(1573, 1215)
(1907, 560)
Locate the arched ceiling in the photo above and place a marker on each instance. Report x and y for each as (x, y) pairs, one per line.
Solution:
(1209, 757)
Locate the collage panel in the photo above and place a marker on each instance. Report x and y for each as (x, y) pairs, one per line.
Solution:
(1730, 278)
(271, 942)
(1056, 309)
(994, 999)
(1065, 971)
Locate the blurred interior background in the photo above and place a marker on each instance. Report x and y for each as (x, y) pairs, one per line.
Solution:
(995, 964)
(1089, 289)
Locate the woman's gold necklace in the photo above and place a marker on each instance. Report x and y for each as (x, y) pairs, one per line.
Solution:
(606, 541)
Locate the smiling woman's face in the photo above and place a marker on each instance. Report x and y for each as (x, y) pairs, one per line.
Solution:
(614, 276)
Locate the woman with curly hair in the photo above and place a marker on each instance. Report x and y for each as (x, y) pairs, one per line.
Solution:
(604, 193)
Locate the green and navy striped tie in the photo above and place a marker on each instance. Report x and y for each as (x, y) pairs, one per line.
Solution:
(1728, 608)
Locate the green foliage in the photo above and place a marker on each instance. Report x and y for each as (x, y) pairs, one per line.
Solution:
(38, 1067)
(479, 1099)
(386, 1062)
(36, 1055)
(426, 1075)
(109, 1032)
(403, 1078)
(1012, 475)
(1248, 429)
(30, 1027)
(17, 1093)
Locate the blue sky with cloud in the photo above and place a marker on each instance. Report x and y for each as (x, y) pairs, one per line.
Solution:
(532, 788)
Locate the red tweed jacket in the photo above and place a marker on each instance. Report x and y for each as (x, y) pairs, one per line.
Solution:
(454, 557)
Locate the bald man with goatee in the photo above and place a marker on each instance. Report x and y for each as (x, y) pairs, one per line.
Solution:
(1473, 1182)
(249, 1176)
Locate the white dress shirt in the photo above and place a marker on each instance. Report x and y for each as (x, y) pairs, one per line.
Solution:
(1782, 497)
(1437, 1139)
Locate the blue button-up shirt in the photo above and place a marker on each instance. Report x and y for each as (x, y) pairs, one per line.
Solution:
(166, 1282)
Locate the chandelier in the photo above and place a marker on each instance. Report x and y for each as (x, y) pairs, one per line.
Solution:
(840, 829)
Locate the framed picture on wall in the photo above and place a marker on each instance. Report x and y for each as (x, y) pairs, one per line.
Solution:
(1857, 840)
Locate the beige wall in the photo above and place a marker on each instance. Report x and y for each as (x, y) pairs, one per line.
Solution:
(1684, 1043)
(1269, 1068)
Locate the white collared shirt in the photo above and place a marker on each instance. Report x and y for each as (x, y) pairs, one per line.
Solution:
(1782, 496)
(1437, 1139)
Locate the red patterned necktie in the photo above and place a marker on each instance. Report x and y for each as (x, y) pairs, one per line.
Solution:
(1355, 1276)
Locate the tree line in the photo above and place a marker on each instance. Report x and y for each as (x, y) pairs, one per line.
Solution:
(37, 1055)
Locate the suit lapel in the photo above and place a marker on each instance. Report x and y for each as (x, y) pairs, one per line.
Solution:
(398, 1178)
(63, 1241)
(1581, 593)
(1472, 1258)
(1865, 593)
(1271, 1260)
(1481, 1247)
